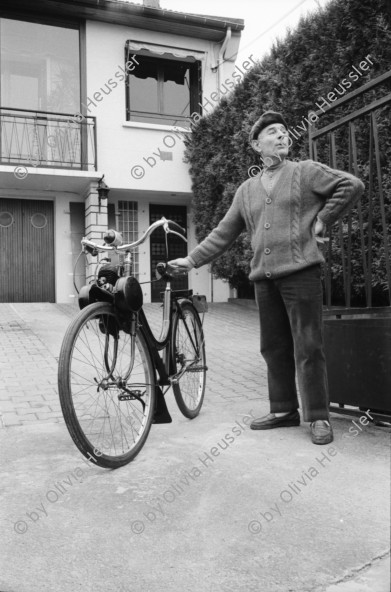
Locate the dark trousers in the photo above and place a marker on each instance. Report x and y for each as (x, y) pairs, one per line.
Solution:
(290, 312)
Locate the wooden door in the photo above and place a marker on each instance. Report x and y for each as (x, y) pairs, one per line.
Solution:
(26, 251)
(176, 246)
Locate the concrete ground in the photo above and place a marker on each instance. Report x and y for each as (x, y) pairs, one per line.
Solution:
(207, 506)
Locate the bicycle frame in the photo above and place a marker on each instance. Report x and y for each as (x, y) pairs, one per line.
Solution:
(164, 366)
(171, 298)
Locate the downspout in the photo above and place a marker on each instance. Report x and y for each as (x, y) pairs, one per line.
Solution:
(220, 59)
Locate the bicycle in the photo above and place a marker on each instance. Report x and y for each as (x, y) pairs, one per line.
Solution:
(111, 377)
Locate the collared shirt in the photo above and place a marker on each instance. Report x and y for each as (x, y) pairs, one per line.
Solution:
(270, 175)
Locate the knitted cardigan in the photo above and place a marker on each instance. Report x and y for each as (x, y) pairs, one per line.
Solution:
(281, 223)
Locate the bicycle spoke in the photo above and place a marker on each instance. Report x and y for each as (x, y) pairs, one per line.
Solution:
(101, 373)
(189, 361)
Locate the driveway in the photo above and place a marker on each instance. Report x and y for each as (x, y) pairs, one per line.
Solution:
(207, 506)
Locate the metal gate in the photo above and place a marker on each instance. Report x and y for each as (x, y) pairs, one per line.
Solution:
(26, 251)
(358, 268)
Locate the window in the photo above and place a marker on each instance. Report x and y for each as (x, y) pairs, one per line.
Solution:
(40, 72)
(40, 67)
(128, 227)
(163, 91)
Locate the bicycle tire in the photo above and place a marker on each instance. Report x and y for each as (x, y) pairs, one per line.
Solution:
(189, 391)
(94, 376)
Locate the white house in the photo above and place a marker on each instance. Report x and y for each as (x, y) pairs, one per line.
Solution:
(92, 88)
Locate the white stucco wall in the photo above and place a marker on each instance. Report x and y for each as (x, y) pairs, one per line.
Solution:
(125, 146)
(65, 291)
(121, 144)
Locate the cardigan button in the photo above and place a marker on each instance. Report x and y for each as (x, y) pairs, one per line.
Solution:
(268, 200)
(268, 274)
(267, 225)
(267, 251)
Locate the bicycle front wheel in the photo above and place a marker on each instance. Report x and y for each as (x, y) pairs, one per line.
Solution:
(106, 385)
(189, 360)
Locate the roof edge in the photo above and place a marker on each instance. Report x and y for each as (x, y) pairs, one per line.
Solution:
(205, 21)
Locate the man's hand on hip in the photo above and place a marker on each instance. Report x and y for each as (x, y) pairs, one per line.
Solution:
(320, 231)
(319, 227)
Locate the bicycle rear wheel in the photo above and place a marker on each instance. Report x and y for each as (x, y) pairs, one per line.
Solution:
(189, 360)
(106, 383)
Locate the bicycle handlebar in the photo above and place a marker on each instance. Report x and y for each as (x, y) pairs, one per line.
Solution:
(176, 226)
(113, 239)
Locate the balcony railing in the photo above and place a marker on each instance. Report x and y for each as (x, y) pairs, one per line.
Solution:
(47, 139)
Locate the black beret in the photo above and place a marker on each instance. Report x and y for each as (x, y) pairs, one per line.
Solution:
(266, 119)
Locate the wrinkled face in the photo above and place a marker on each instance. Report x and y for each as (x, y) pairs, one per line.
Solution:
(272, 142)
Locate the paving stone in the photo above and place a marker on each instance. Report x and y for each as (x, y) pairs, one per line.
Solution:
(41, 407)
(19, 405)
(24, 414)
(7, 406)
(45, 415)
(11, 419)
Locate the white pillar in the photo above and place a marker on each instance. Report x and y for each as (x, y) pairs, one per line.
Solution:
(96, 224)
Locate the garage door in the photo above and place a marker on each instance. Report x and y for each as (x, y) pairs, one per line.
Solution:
(26, 251)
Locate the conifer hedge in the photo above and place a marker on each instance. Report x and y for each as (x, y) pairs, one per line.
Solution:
(298, 72)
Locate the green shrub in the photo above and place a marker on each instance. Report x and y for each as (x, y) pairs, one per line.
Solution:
(300, 69)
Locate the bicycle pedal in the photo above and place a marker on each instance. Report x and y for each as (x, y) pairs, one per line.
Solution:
(176, 378)
(197, 369)
(129, 396)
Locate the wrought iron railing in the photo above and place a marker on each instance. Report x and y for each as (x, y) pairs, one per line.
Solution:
(47, 139)
(358, 266)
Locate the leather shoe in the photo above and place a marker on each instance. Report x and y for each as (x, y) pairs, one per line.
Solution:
(270, 421)
(321, 432)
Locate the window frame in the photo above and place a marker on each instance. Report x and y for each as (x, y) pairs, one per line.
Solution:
(127, 223)
(161, 118)
(64, 23)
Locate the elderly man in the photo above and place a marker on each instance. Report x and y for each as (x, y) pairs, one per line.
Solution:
(286, 210)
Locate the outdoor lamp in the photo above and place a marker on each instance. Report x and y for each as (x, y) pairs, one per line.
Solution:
(103, 190)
